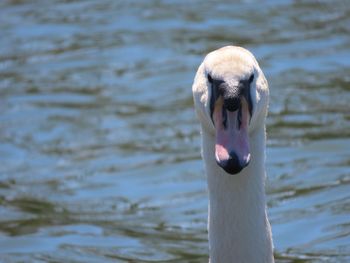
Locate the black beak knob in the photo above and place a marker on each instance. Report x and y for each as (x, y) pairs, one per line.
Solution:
(232, 103)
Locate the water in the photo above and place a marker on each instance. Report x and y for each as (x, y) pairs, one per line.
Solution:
(100, 147)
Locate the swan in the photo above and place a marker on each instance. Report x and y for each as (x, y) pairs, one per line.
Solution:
(231, 99)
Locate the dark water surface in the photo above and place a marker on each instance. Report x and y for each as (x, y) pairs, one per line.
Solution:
(100, 147)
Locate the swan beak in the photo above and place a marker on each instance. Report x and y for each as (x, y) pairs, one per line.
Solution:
(232, 151)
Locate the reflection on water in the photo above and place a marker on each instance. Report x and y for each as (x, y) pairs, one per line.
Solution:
(99, 144)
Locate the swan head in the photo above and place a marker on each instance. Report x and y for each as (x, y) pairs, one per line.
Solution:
(231, 99)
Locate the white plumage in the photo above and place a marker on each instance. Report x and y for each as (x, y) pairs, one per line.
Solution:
(239, 230)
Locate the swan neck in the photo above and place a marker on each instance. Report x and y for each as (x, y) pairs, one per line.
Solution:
(239, 230)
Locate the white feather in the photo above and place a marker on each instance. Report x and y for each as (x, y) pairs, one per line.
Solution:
(239, 230)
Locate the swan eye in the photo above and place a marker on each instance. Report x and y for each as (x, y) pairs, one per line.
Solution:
(251, 78)
(210, 79)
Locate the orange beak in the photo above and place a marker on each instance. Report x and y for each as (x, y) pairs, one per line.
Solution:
(232, 151)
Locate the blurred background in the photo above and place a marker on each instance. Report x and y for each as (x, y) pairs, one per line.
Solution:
(100, 146)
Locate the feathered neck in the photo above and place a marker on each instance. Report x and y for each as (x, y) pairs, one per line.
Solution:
(239, 230)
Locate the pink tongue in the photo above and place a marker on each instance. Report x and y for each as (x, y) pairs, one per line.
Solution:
(232, 140)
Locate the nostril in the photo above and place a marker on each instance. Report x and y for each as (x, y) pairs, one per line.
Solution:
(224, 117)
(232, 103)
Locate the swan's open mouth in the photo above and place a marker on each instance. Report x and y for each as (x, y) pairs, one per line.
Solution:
(232, 151)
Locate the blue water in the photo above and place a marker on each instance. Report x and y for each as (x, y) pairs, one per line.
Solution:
(100, 146)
